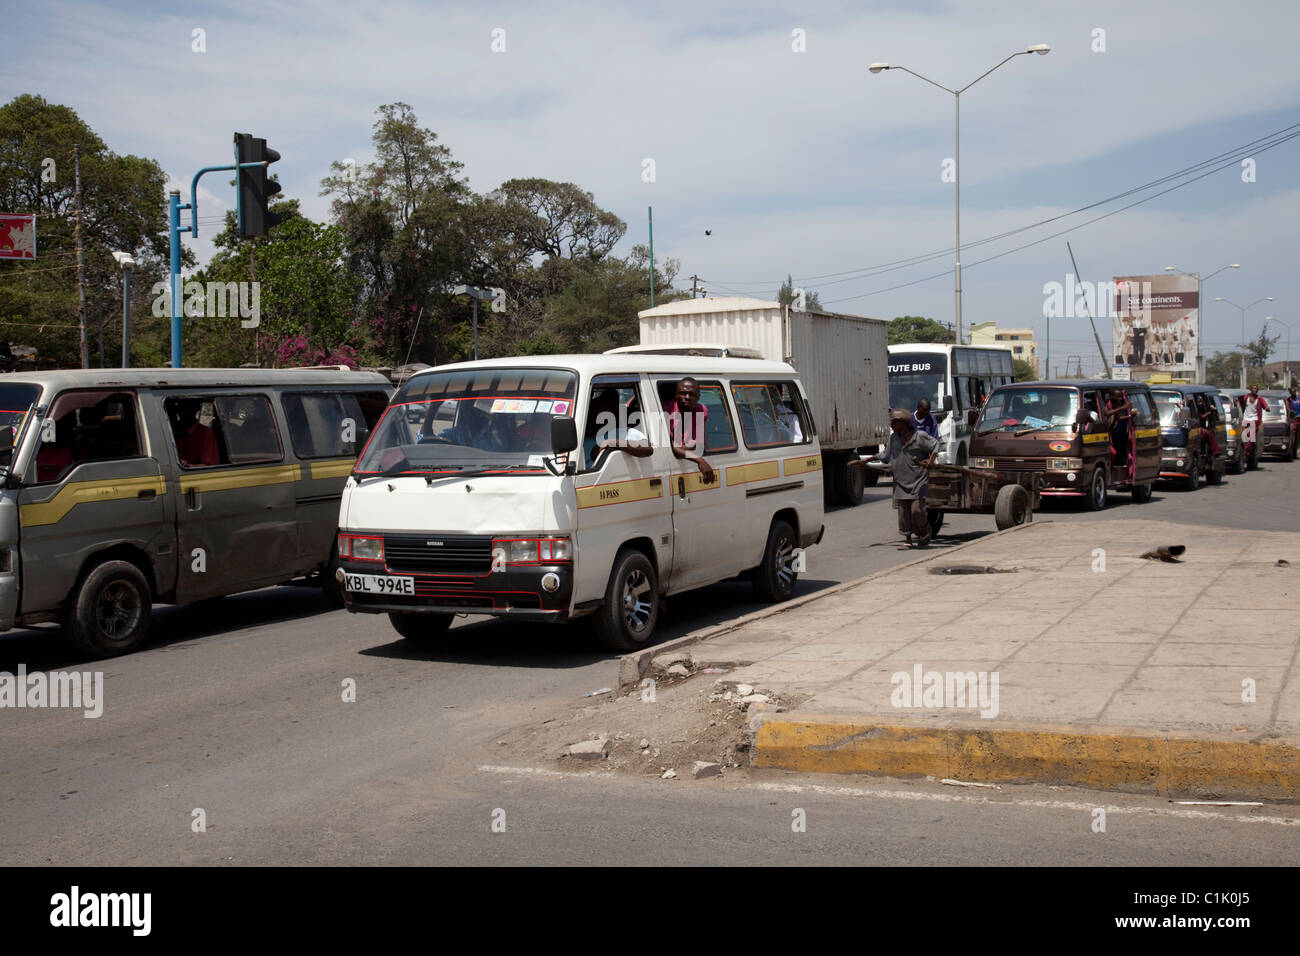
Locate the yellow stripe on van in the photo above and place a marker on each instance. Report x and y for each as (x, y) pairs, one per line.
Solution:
(694, 481)
(1147, 432)
(740, 474)
(619, 492)
(241, 478)
(801, 466)
(332, 468)
(1093, 439)
(87, 492)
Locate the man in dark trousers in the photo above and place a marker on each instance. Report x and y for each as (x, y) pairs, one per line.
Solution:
(911, 453)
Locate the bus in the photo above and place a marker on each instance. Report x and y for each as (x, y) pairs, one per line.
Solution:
(955, 378)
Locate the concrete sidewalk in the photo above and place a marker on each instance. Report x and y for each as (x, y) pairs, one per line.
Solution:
(1087, 665)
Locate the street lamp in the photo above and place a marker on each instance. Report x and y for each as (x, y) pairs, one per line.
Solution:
(1243, 309)
(127, 263)
(1042, 49)
(1200, 311)
(476, 294)
(1287, 361)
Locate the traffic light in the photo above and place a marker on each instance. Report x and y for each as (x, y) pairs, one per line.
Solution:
(256, 188)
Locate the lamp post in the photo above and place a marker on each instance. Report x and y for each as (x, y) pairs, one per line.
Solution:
(1042, 49)
(1286, 363)
(1242, 309)
(1200, 311)
(127, 263)
(475, 293)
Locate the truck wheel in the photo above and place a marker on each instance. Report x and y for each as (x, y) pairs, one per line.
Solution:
(108, 614)
(870, 477)
(1097, 489)
(832, 478)
(420, 628)
(936, 521)
(626, 621)
(774, 579)
(854, 481)
(1011, 507)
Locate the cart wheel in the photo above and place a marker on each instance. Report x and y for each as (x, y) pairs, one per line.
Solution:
(936, 522)
(1012, 507)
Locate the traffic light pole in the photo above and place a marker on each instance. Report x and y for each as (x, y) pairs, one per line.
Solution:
(174, 207)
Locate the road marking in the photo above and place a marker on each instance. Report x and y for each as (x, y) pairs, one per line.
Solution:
(822, 790)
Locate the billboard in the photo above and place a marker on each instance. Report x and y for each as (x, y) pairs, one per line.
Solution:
(1154, 325)
(17, 237)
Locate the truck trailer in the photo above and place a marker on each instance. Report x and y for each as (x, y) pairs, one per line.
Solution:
(843, 361)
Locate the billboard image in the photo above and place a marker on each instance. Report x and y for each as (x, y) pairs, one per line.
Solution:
(17, 237)
(1153, 325)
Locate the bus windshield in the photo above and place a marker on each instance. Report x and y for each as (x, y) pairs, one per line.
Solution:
(914, 376)
(477, 420)
(1029, 408)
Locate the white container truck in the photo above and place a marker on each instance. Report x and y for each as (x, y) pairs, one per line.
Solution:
(843, 361)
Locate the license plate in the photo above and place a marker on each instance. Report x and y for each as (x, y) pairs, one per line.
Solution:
(379, 584)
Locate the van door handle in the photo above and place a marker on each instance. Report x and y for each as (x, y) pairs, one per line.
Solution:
(192, 499)
(147, 493)
(681, 488)
(656, 482)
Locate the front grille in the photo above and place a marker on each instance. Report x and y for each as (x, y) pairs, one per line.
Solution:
(1028, 464)
(453, 554)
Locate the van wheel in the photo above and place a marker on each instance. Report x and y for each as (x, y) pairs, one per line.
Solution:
(626, 620)
(1011, 507)
(420, 628)
(329, 585)
(109, 613)
(775, 578)
(1213, 477)
(1193, 479)
(1142, 492)
(1097, 489)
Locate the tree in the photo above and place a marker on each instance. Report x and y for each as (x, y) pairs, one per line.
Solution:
(1223, 369)
(914, 328)
(306, 298)
(786, 296)
(1025, 371)
(124, 210)
(1258, 351)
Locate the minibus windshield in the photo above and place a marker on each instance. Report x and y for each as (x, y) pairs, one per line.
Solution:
(470, 421)
(1168, 404)
(1025, 408)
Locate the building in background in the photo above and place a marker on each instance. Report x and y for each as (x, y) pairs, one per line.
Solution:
(1020, 341)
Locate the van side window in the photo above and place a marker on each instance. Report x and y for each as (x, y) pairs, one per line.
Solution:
(88, 426)
(613, 414)
(771, 413)
(330, 425)
(719, 432)
(223, 430)
(1144, 412)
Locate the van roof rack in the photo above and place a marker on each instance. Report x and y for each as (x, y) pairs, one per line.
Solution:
(705, 349)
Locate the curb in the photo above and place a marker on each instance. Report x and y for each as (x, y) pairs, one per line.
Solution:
(1104, 759)
(634, 666)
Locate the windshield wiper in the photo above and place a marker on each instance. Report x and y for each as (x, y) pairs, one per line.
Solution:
(1036, 428)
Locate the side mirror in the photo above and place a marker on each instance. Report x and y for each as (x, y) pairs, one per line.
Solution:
(972, 416)
(564, 434)
(947, 402)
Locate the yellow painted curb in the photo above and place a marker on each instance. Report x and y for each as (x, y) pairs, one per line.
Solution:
(1105, 760)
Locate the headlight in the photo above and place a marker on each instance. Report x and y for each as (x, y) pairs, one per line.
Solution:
(522, 551)
(1064, 464)
(531, 551)
(556, 549)
(1232, 433)
(367, 549)
(982, 463)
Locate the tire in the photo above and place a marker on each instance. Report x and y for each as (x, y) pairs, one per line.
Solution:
(1193, 479)
(870, 477)
(1097, 489)
(774, 579)
(853, 482)
(1213, 477)
(936, 521)
(420, 628)
(1012, 507)
(626, 620)
(108, 613)
(329, 586)
(832, 479)
(1142, 492)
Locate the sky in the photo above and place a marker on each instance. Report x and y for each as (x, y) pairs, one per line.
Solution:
(764, 127)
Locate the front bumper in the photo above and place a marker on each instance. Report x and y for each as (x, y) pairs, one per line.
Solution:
(515, 592)
(1174, 463)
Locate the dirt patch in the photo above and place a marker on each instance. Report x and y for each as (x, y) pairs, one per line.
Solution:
(696, 718)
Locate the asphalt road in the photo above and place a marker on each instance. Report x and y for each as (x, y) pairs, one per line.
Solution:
(236, 708)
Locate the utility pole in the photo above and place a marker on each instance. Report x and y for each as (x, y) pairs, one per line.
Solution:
(695, 282)
(1102, 352)
(81, 262)
(650, 220)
